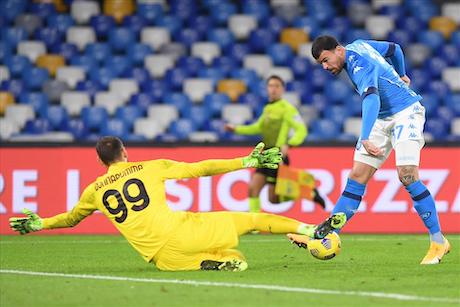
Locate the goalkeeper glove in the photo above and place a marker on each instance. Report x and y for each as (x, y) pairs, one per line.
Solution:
(26, 224)
(269, 158)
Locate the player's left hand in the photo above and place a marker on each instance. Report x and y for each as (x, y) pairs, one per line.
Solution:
(406, 80)
(26, 224)
(371, 148)
(269, 158)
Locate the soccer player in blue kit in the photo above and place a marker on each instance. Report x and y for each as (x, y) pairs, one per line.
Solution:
(392, 118)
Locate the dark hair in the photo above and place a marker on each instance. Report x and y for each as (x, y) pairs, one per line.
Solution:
(109, 149)
(321, 43)
(276, 78)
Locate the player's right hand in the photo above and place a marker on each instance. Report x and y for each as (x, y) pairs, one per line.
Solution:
(32, 222)
(269, 158)
(371, 148)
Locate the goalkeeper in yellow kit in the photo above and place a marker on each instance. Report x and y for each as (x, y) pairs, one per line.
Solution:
(132, 196)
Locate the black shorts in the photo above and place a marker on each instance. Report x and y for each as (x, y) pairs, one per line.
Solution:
(271, 174)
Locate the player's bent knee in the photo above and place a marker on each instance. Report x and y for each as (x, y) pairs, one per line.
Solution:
(407, 174)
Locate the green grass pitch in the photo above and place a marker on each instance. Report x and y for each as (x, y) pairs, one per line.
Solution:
(372, 270)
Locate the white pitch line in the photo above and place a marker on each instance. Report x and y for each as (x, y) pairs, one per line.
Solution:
(394, 296)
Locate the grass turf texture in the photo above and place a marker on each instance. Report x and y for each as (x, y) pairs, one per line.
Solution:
(368, 263)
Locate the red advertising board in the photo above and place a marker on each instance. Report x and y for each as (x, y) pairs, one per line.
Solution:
(49, 181)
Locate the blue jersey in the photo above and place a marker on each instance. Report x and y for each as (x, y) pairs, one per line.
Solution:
(371, 73)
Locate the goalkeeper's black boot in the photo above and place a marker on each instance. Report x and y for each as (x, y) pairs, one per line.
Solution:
(334, 222)
(318, 199)
(234, 265)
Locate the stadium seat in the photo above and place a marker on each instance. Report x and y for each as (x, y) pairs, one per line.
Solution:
(51, 62)
(192, 65)
(304, 51)
(151, 12)
(19, 114)
(49, 36)
(163, 114)
(435, 65)
(8, 128)
(326, 129)
(439, 88)
(454, 127)
(118, 9)
(338, 91)
(43, 9)
(238, 52)
(358, 12)
(248, 76)
(81, 36)
(91, 87)
(453, 102)
(281, 54)
(12, 35)
(182, 128)
(68, 51)
(37, 126)
(124, 88)
(451, 10)
(188, 36)
(354, 34)
(203, 137)
(98, 51)
(74, 102)
(443, 24)
(261, 64)
(157, 65)
(120, 38)
(254, 101)
(141, 101)
(148, 127)
(35, 77)
(225, 63)
(10, 9)
(308, 113)
(222, 37)
(31, 49)
(418, 53)
(175, 50)
(54, 89)
(437, 128)
(236, 114)
(60, 22)
(37, 100)
(140, 75)
(29, 22)
(103, 75)
(175, 77)
(77, 128)
(308, 24)
(259, 9)
(197, 88)
(94, 117)
(242, 25)
(84, 61)
(6, 99)
(293, 98)
(431, 39)
(337, 113)
(129, 114)
(233, 88)
(451, 76)
(173, 23)
(83, 10)
(300, 67)
(213, 73)
(402, 37)
(155, 37)
(207, 51)
(294, 37)
(102, 24)
(15, 87)
(137, 52)
(199, 115)
(284, 72)
(109, 101)
(71, 75)
(214, 102)
(4, 73)
(450, 53)
(115, 127)
(222, 11)
(261, 39)
(379, 26)
(287, 11)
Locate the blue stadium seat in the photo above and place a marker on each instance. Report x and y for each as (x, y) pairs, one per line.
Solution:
(227, 64)
(445, 114)
(319, 101)
(432, 39)
(140, 74)
(12, 35)
(137, 52)
(198, 115)
(435, 66)
(440, 88)
(9, 9)
(17, 64)
(89, 86)
(192, 65)
(77, 128)
(281, 54)
(174, 77)
(202, 24)
(98, 51)
(337, 91)
(325, 128)
(43, 9)
(308, 24)
(87, 62)
(319, 78)
(61, 22)
(50, 36)
(301, 67)
(67, 50)
(135, 23)
(129, 114)
(303, 88)
(431, 102)
(15, 87)
(102, 24)
(121, 38)
(453, 103)
(185, 10)
(419, 79)
(215, 102)
(400, 36)
(213, 73)
(37, 126)
(120, 64)
(450, 53)
(141, 101)
(57, 117)
(394, 11)
(455, 39)
(337, 113)
(437, 128)
(217, 126)
(35, 77)
(353, 104)
(181, 101)
(423, 10)
(94, 117)
(102, 75)
(354, 34)
(115, 127)
(274, 24)
(5, 51)
(151, 12)
(182, 128)
(37, 100)
(259, 88)
(248, 76)
(341, 24)
(189, 36)
(172, 23)
(222, 11)
(221, 36)
(411, 24)
(260, 9)
(158, 88)
(238, 51)
(135, 138)
(260, 40)
(256, 102)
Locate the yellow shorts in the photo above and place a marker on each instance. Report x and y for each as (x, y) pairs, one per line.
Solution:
(202, 236)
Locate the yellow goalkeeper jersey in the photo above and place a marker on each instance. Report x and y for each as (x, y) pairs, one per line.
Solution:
(132, 195)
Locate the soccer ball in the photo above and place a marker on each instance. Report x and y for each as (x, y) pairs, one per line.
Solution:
(326, 248)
